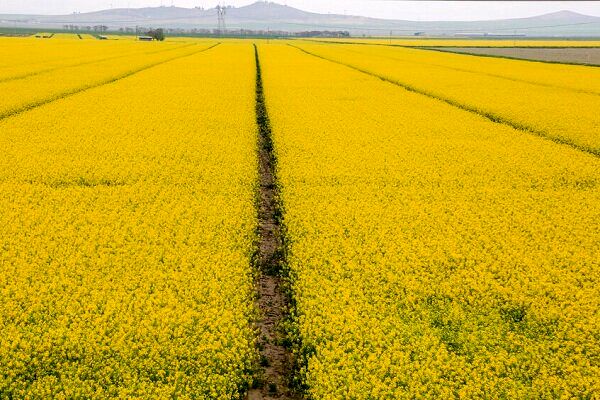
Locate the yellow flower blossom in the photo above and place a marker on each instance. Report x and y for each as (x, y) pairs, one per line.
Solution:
(126, 235)
(553, 100)
(432, 253)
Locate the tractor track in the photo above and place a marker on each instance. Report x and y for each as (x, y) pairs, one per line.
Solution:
(275, 380)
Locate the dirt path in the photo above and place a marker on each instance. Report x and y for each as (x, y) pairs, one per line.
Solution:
(276, 360)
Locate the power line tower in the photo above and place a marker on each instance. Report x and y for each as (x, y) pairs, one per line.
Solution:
(221, 16)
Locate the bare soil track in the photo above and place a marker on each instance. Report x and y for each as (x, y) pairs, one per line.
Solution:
(570, 55)
(275, 358)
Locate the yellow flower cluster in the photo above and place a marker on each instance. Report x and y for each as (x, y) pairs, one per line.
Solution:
(432, 253)
(126, 235)
(64, 70)
(559, 101)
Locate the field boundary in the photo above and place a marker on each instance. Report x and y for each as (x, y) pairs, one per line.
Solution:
(68, 93)
(275, 372)
(488, 115)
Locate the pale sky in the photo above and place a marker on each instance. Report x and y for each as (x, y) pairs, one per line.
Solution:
(409, 10)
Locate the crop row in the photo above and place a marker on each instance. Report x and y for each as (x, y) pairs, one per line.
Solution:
(126, 236)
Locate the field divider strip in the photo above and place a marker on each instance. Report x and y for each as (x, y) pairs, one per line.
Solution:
(44, 71)
(276, 369)
(68, 93)
(485, 114)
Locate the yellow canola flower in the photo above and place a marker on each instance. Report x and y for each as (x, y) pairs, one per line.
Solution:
(557, 101)
(21, 57)
(65, 73)
(432, 253)
(126, 234)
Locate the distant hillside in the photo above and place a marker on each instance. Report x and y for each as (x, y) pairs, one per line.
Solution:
(266, 15)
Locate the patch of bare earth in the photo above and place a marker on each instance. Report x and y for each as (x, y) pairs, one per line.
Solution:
(275, 358)
(570, 55)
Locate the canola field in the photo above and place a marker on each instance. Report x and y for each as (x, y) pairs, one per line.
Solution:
(441, 216)
(435, 254)
(127, 228)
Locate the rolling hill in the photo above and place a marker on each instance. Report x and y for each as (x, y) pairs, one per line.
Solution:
(267, 15)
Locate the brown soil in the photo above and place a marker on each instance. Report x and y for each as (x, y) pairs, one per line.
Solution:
(276, 359)
(588, 56)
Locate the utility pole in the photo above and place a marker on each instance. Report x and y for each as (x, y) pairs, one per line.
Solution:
(221, 18)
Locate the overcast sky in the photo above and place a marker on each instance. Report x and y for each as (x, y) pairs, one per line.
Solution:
(411, 10)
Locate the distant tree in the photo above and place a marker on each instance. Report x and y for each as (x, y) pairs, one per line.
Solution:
(157, 34)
